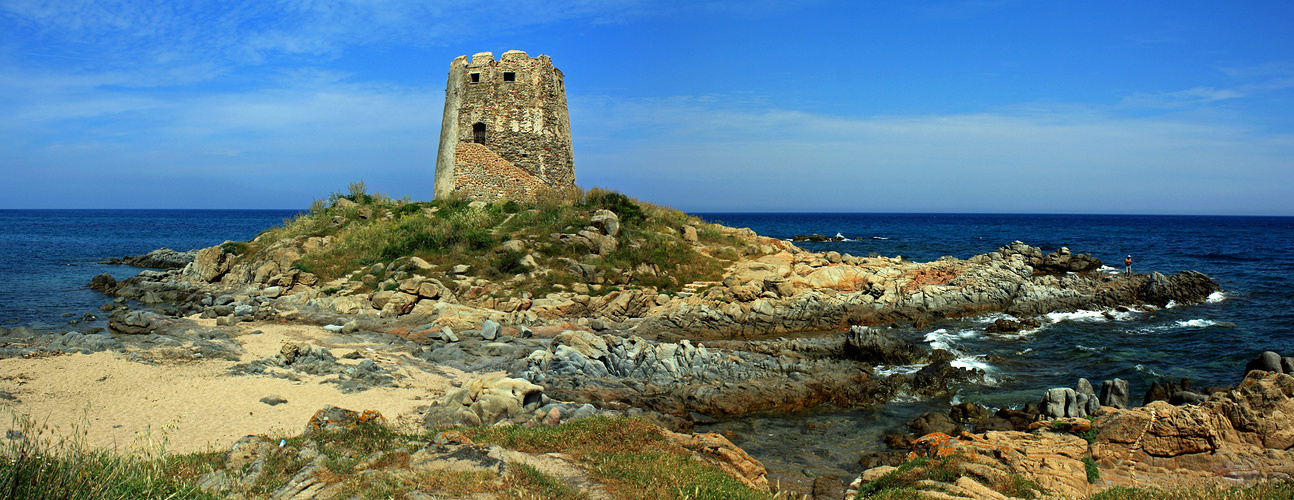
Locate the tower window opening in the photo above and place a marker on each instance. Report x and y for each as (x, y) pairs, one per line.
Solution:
(509, 76)
(476, 78)
(478, 133)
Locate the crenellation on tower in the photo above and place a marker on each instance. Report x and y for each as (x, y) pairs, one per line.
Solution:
(515, 108)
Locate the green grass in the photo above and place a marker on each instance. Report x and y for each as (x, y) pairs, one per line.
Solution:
(1263, 491)
(629, 456)
(458, 233)
(901, 482)
(42, 467)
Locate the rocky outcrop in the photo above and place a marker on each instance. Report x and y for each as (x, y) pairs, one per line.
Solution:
(981, 466)
(873, 346)
(729, 458)
(294, 359)
(1250, 428)
(162, 258)
(1185, 287)
(486, 401)
(803, 292)
(679, 378)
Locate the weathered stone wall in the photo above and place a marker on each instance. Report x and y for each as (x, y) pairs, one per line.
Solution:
(480, 174)
(521, 102)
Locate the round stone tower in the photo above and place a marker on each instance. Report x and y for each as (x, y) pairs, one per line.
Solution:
(506, 133)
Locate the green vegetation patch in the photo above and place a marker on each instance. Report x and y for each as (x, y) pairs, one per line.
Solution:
(450, 231)
(901, 482)
(1261, 491)
(629, 456)
(39, 467)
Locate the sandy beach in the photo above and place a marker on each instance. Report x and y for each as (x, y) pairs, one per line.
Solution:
(196, 405)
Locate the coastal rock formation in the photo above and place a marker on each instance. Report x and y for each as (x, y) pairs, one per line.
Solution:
(679, 378)
(1250, 428)
(878, 290)
(982, 465)
(162, 258)
(486, 401)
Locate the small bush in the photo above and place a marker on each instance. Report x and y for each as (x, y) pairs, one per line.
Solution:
(1093, 472)
(509, 263)
(626, 210)
(235, 247)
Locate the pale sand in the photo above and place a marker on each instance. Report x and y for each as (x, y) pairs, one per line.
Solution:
(121, 404)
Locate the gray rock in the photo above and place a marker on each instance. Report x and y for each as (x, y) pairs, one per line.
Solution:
(513, 246)
(447, 334)
(1287, 364)
(332, 328)
(243, 310)
(606, 221)
(871, 345)
(272, 291)
(1268, 361)
(273, 400)
(1115, 393)
(350, 327)
(1087, 400)
(489, 330)
(933, 422)
(1060, 402)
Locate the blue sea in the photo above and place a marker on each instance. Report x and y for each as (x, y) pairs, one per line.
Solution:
(48, 256)
(1208, 344)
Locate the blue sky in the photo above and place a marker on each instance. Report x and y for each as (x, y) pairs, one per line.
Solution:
(1178, 107)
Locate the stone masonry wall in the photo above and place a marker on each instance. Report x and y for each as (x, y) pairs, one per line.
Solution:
(482, 175)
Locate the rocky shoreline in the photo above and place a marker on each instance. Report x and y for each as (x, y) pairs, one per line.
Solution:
(784, 330)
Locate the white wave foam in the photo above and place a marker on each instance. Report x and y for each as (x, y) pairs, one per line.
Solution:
(1088, 316)
(1171, 304)
(1090, 349)
(1026, 351)
(947, 340)
(1081, 315)
(1142, 368)
(1216, 297)
(1196, 323)
(841, 236)
(887, 370)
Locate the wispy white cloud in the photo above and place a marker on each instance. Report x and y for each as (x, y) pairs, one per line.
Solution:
(1182, 98)
(250, 31)
(1067, 159)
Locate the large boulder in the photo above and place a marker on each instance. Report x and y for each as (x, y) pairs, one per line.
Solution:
(1114, 393)
(606, 222)
(1267, 361)
(486, 401)
(1186, 287)
(874, 346)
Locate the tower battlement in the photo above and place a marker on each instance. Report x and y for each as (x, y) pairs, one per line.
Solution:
(515, 107)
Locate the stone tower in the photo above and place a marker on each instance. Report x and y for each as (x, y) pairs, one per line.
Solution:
(506, 133)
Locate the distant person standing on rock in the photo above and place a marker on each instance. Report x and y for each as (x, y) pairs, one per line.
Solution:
(1127, 265)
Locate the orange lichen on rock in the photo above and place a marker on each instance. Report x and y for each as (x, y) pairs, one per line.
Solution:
(923, 276)
(332, 418)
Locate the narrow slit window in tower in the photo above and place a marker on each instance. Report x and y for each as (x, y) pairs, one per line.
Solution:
(509, 76)
(476, 78)
(478, 133)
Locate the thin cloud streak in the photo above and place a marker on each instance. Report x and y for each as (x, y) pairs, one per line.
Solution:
(1082, 161)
